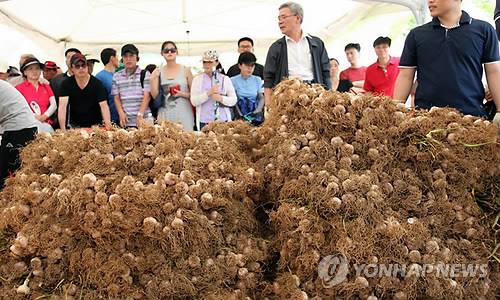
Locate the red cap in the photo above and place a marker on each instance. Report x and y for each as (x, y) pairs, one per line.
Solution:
(50, 65)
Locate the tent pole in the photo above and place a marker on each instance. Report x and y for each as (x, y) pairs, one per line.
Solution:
(417, 7)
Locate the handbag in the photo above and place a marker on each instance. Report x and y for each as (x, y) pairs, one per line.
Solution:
(159, 99)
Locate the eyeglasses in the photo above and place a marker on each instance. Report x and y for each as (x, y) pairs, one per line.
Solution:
(207, 61)
(80, 66)
(169, 50)
(284, 17)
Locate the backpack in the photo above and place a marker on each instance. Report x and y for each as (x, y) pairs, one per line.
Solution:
(157, 102)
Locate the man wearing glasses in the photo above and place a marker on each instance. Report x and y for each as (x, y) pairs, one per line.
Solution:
(245, 44)
(84, 96)
(296, 54)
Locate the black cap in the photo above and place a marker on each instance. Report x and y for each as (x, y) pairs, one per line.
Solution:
(130, 48)
(31, 61)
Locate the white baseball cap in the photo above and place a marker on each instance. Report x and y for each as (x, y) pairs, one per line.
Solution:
(210, 55)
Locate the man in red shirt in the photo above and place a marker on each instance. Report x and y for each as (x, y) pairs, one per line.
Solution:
(356, 72)
(381, 76)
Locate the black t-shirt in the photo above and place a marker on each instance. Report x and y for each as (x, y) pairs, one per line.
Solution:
(235, 70)
(83, 105)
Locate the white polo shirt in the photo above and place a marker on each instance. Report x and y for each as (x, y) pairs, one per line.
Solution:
(299, 58)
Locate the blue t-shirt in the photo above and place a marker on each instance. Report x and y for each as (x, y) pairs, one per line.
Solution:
(449, 63)
(106, 78)
(247, 91)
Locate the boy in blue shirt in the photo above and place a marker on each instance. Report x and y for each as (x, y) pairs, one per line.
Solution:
(249, 91)
(110, 61)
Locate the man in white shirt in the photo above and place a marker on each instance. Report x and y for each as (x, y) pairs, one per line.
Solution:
(296, 54)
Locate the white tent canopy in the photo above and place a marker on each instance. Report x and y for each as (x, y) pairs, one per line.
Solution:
(103, 22)
(195, 25)
(46, 28)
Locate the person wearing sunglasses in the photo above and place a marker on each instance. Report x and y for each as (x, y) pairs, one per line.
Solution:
(83, 101)
(296, 54)
(131, 95)
(212, 93)
(39, 95)
(175, 81)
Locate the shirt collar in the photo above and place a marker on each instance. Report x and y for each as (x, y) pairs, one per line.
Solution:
(464, 19)
(302, 37)
(392, 61)
(137, 72)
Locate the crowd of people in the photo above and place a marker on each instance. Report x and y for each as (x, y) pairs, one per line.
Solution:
(448, 74)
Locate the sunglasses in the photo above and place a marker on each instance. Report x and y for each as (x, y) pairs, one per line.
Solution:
(208, 61)
(80, 66)
(169, 50)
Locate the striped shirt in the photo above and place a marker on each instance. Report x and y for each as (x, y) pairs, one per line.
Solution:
(131, 92)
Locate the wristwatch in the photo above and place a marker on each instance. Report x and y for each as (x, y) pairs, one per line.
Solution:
(139, 114)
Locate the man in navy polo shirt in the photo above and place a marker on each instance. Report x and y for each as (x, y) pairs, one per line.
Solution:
(447, 54)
